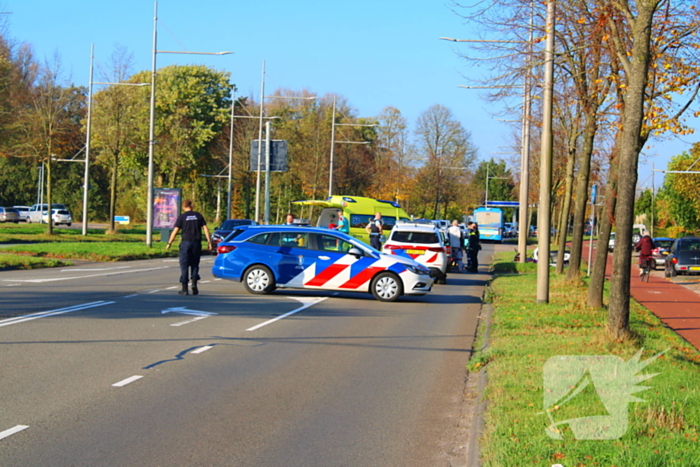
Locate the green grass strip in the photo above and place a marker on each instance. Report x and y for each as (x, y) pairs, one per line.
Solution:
(662, 431)
(95, 251)
(11, 262)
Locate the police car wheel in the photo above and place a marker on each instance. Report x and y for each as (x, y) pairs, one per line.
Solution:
(386, 287)
(259, 280)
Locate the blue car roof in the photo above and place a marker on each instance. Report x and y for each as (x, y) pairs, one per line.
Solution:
(293, 228)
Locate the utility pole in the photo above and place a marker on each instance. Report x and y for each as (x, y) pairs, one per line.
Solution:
(543, 214)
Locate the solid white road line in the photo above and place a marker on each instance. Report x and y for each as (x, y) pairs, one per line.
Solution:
(182, 323)
(45, 314)
(127, 381)
(54, 279)
(95, 269)
(308, 303)
(12, 431)
(203, 349)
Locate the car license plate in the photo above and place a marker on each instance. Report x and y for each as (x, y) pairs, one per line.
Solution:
(415, 252)
(695, 268)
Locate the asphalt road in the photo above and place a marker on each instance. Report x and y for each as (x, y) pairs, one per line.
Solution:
(105, 365)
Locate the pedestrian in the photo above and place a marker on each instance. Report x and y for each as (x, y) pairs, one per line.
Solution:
(456, 245)
(343, 225)
(644, 246)
(290, 219)
(473, 247)
(374, 229)
(191, 223)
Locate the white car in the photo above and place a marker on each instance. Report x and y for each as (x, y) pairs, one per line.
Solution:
(59, 216)
(552, 256)
(423, 243)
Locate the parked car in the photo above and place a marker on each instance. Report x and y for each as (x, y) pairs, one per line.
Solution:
(683, 257)
(611, 242)
(9, 215)
(552, 256)
(23, 212)
(38, 213)
(59, 216)
(424, 243)
(223, 231)
(663, 245)
(266, 257)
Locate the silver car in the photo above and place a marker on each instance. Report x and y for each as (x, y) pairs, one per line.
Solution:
(9, 215)
(23, 212)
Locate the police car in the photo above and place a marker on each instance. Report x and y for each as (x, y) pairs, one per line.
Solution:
(269, 257)
(422, 242)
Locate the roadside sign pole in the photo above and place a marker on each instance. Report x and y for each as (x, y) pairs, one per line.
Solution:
(594, 192)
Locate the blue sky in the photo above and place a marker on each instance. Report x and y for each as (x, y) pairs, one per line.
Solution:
(376, 53)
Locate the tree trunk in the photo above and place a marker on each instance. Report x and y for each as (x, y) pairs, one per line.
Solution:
(630, 145)
(596, 284)
(566, 208)
(113, 195)
(581, 198)
(49, 198)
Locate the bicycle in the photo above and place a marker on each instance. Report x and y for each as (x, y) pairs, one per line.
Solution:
(646, 270)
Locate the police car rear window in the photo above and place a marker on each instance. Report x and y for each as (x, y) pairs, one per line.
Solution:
(414, 237)
(235, 233)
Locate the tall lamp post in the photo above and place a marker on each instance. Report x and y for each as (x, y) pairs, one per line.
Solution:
(152, 119)
(333, 141)
(86, 161)
(260, 153)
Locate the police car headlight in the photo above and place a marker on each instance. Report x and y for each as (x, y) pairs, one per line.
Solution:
(417, 269)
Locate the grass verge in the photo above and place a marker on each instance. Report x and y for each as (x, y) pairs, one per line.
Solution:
(12, 262)
(95, 251)
(35, 233)
(662, 431)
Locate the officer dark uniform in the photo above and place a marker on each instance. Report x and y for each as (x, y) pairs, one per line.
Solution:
(191, 223)
(473, 247)
(374, 228)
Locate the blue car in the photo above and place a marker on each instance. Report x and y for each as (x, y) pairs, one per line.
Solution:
(267, 257)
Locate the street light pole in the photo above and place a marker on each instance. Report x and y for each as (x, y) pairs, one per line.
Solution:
(330, 172)
(151, 134)
(267, 172)
(152, 121)
(87, 144)
(230, 155)
(262, 113)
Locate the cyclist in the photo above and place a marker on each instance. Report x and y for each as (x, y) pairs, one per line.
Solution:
(644, 246)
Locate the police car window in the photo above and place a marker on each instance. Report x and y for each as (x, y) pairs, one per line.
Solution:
(415, 237)
(332, 243)
(258, 239)
(291, 240)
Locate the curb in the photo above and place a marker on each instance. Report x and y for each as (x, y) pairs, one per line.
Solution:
(476, 426)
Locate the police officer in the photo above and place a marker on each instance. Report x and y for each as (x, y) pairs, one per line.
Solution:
(374, 229)
(473, 247)
(191, 223)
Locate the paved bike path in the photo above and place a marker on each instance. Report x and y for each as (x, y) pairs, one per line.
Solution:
(677, 306)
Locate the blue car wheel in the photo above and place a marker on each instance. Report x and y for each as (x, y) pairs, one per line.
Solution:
(259, 280)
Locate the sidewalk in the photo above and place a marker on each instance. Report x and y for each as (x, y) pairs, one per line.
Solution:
(677, 306)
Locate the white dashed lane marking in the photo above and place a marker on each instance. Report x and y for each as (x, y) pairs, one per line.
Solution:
(12, 431)
(127, 381)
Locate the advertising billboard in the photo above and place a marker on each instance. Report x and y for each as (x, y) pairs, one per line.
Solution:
(166, 207)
